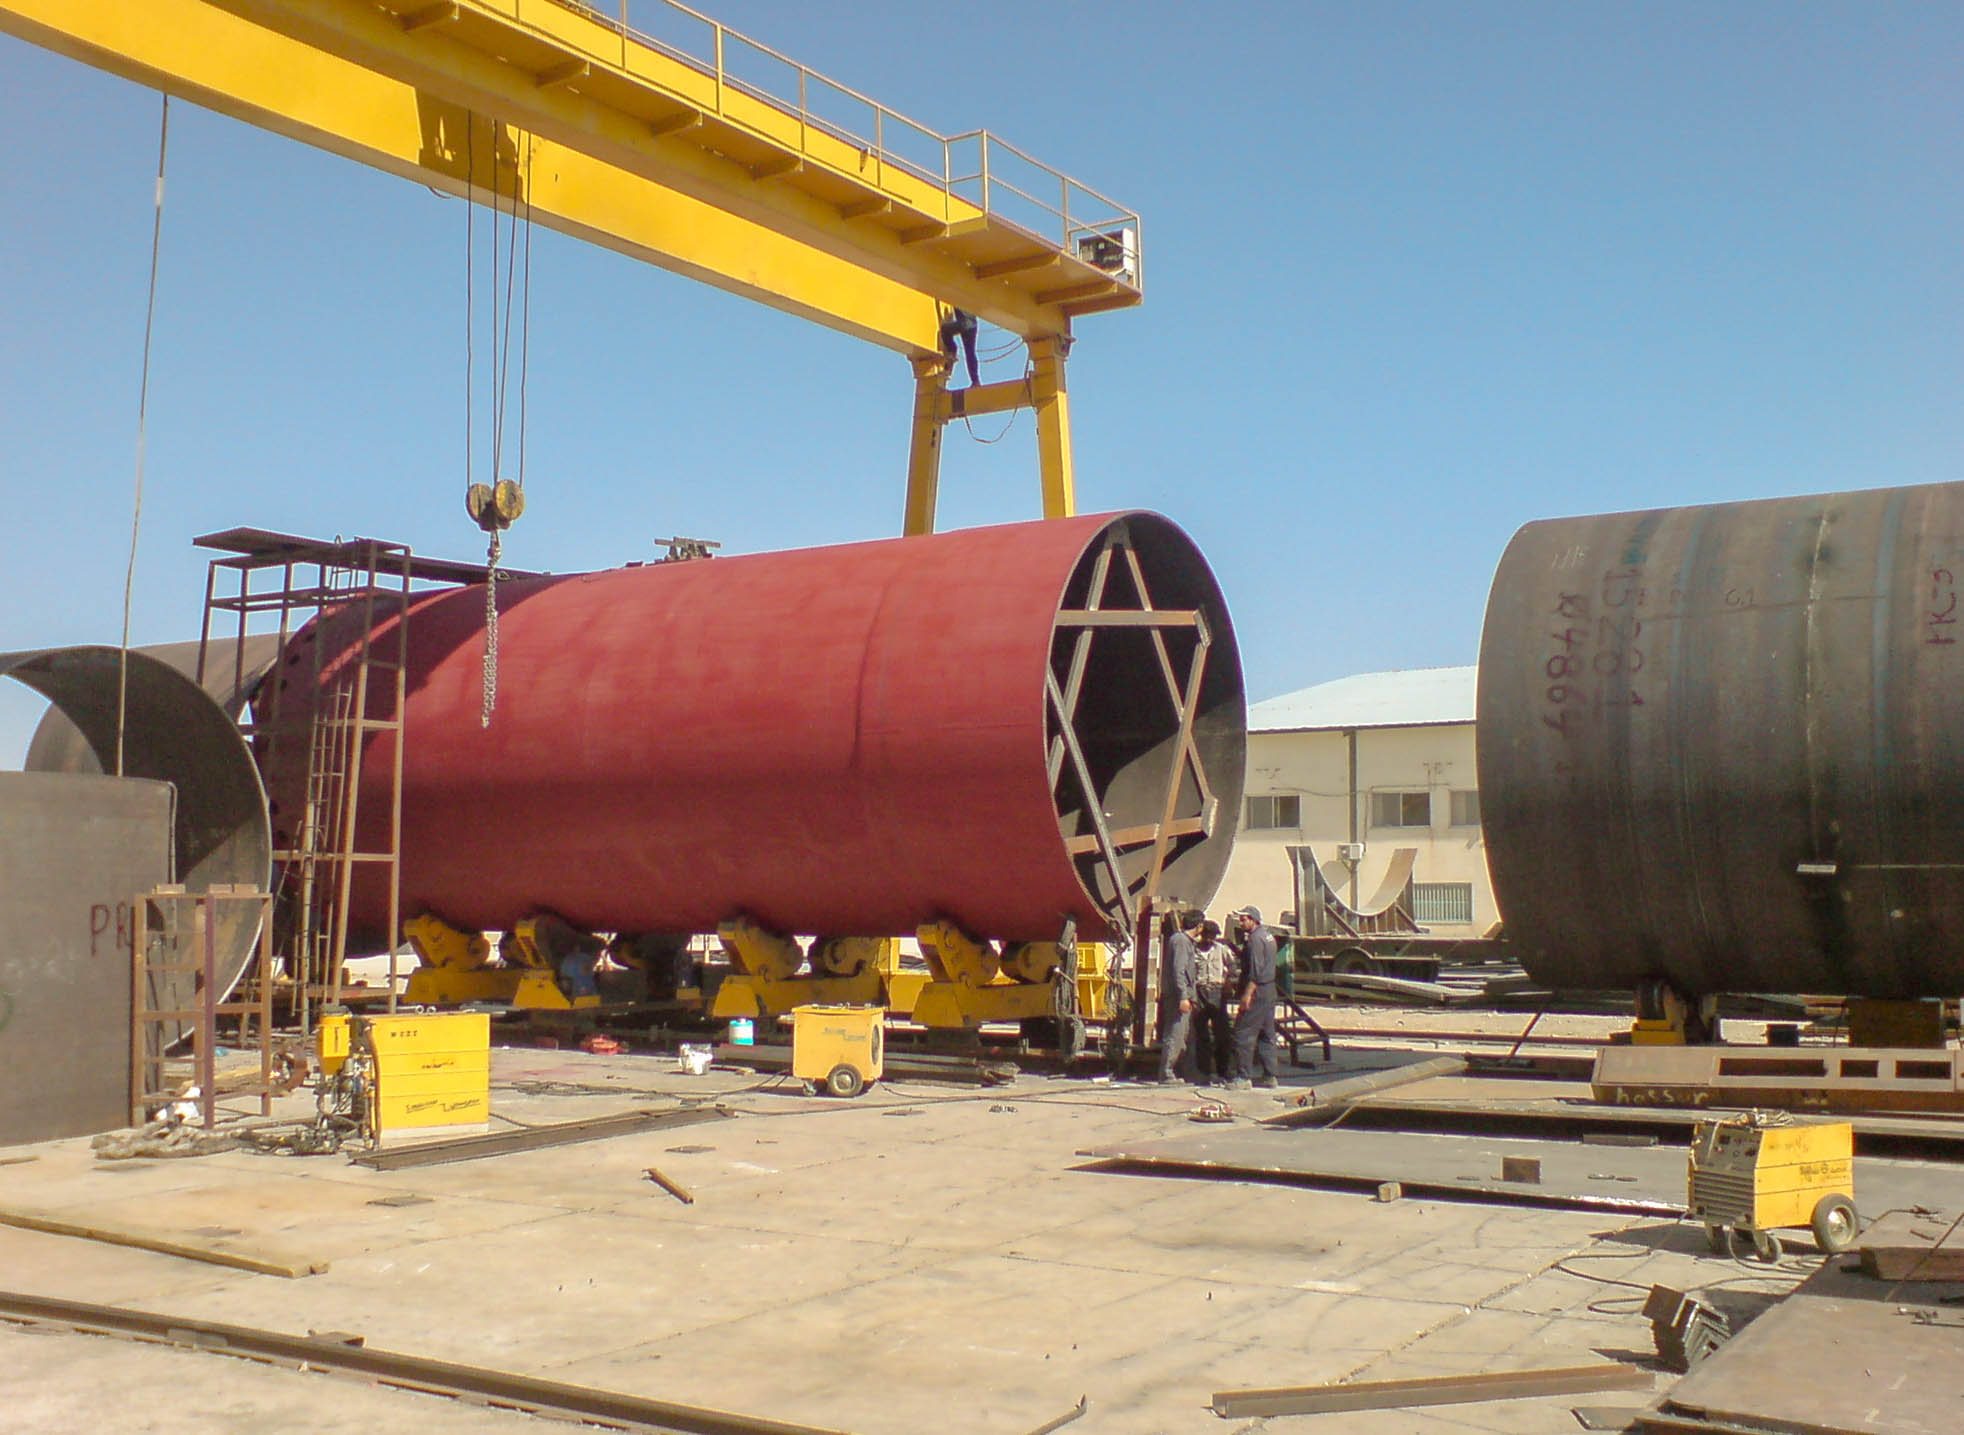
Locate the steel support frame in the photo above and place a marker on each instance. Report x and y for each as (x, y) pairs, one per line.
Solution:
(1130, 898)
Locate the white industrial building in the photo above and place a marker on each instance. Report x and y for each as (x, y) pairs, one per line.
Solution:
(1374, 762)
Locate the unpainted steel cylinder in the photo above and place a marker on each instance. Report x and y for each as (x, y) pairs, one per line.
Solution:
(843, 741)
(176, 733)
(1724, 746)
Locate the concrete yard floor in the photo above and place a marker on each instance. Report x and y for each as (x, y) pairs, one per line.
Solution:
(923, 1258)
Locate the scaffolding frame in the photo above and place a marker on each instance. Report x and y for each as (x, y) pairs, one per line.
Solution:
(155, 1028)
(315, 580)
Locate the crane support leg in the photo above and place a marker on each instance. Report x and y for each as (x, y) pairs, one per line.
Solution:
(936, 405)
(924, 454)
(1053, 427)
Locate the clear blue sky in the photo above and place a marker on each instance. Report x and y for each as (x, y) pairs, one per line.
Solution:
(1418, 273)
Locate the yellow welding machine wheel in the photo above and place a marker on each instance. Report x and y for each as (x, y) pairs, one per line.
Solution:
(1835, 1224)
(844, 1080)
(1764, 1245)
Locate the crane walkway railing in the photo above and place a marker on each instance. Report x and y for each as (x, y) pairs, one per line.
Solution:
(975, 168)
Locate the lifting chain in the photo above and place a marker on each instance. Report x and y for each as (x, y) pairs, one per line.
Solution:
(491, 628)
(494, 508)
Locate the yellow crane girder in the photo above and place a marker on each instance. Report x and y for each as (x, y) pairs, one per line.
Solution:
(669, 158)
(200, 52)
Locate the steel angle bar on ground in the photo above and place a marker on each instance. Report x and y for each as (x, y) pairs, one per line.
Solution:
(1076, 1412)
(436, 1377)
(1430, 1390)
(264, 1264)
(534, 1138)
(1327, 1095)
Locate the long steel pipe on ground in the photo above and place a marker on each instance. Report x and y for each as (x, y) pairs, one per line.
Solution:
(1724, 745)
(848, 740)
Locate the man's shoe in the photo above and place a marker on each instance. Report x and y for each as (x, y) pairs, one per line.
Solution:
(1264, 1081)
(1241, 1083)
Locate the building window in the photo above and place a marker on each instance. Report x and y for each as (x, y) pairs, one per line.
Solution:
(1466, 809)
(1401, 809)
(1443, 902)
(1272, 812)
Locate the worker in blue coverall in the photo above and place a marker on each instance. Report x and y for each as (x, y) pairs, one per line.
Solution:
(1176, 994)
(1254, 1028)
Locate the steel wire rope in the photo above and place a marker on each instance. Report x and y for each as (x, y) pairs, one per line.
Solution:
(496, 215)
(500, 397)
(501, 380)
(470, 286)
(142, 419)
(494, 548)
(490, 663)
(525, 320)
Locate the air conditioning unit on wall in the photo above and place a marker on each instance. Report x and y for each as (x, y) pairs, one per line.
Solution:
(1350, 851)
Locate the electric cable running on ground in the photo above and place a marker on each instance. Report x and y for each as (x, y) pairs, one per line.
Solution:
(142, 417)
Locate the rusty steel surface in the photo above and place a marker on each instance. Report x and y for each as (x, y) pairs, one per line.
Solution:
(74, 851)
(1725, 746)
(174, 733)
(842, 741)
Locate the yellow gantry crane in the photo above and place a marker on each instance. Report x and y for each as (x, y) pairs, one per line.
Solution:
(686, 145)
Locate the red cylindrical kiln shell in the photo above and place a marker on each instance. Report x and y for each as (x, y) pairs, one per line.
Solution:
(846, 740)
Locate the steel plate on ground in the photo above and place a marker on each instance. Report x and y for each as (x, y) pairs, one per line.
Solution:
(1645, 1180)
(1843, 1355)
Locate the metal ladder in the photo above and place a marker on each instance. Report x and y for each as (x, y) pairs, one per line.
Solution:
(354, 697)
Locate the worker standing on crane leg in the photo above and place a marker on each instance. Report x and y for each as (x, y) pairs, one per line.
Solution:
(1254, 1028)
(958, 328)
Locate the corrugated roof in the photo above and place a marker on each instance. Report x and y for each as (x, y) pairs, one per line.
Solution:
(1408, 697)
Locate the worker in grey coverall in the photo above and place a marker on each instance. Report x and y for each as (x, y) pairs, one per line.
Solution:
(1254, 1028)
(1176, 994)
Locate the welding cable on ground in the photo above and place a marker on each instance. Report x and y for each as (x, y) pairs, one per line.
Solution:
(142, 417)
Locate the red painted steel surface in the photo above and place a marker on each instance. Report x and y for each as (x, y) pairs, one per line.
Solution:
(836, 740)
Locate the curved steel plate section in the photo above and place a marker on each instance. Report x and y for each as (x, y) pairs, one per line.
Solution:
(175, 733)
(847, 740)
(232, 671)
(1724, 745)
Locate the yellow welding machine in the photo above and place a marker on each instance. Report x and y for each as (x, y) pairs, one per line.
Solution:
(841, 1047)
(1753, 1173)
(431, 1069)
